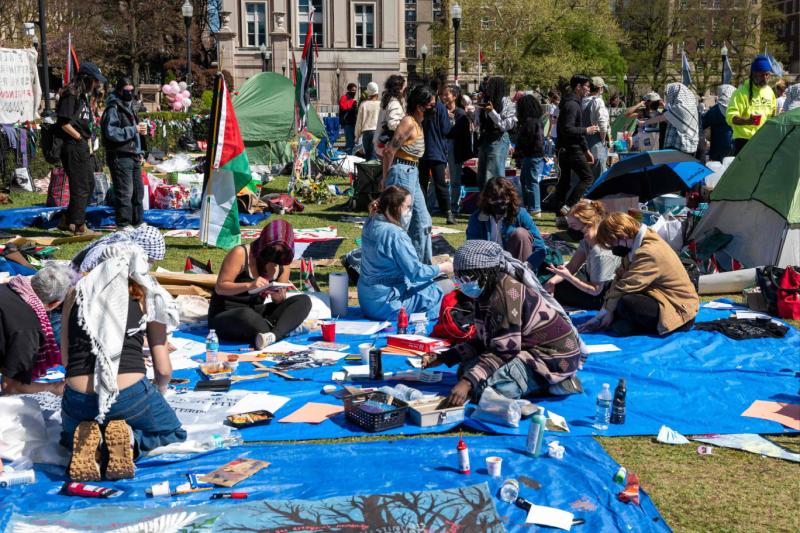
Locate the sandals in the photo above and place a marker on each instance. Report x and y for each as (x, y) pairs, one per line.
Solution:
(119, 442)
(85, 464)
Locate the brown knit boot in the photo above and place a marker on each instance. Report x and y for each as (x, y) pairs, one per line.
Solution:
(119, 441)
(84, 465)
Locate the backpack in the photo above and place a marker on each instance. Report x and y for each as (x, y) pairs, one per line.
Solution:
(456, 318)
(58, 190)
(50, 142)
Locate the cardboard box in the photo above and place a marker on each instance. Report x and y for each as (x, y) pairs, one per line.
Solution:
(418, 343)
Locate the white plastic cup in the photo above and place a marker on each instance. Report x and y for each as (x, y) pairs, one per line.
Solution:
(494, 465)
(364, 349)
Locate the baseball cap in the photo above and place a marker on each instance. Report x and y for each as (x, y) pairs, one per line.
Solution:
(90, 69)
(597, 81)
(652, 97)
(372, 89)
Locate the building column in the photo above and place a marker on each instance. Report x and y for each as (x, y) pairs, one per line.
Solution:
(279, 41)
(226, 45)
(340, 30)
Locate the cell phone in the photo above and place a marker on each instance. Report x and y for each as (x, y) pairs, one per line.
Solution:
(178, 381)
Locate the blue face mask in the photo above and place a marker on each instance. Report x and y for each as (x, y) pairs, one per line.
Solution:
(471, 289)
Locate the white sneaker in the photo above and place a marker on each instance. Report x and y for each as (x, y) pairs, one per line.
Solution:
(264, 339)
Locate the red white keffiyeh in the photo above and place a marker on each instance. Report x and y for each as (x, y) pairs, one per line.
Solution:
(49, 354)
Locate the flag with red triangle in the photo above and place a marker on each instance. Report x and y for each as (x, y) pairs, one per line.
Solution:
(72, 66)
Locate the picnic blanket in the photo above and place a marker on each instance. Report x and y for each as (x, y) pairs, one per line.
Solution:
(101, 216)
(405, 483)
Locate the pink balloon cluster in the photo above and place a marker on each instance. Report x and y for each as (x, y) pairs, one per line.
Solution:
(177, 95)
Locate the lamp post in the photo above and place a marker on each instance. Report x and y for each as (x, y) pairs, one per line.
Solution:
(283, 69)
(45, 65)
(455, 14)
(188, 11)
(424, 52)
(338, 90)
(724, 53)
(265, 55)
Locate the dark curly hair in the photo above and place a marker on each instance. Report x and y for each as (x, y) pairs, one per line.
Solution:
(393, 88)
(419, 96)
(498, 190)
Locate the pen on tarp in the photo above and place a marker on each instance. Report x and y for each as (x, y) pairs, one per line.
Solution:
(229, 496)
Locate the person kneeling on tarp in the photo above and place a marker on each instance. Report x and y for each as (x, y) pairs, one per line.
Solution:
(262, 317)
(28, 347)
(652, 292)
(500, 219)
(102, 339)
(392, 275)
(525, 341)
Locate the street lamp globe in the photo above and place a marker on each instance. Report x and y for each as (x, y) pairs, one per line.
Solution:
(424, 50)
(187, 10)
(263, 50)
(724, 50)
(455, 13)
(29, 28)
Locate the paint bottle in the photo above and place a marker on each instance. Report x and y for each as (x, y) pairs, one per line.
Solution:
(402, 321)
(618, 407)
(535, 433)
(463, 456)
(375, 364)
(21, 477)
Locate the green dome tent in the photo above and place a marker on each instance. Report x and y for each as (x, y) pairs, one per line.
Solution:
(265, 110)
(757, 200)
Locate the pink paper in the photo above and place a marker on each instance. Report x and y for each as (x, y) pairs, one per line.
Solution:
(313, 413)
(787, 414)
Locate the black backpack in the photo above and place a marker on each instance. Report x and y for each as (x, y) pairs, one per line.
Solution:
(51, 143)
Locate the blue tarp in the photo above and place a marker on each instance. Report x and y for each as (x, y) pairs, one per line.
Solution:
(99, 216)
(695, 382)
(580, 483)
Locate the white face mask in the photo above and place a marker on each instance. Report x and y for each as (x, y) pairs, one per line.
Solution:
(405, 219)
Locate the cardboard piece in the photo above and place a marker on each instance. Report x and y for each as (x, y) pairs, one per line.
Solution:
(179, 278)
(787, 414)
(232, 473)
(313, 413)
(46, 240)
(186, 290)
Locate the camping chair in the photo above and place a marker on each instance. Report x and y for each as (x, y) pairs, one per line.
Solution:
(328, 161)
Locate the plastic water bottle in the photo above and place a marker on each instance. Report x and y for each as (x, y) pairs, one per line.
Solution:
(603, 412)
(421, 326)
(212, 347)
(509, 491)
(407, 393)
(216, 441)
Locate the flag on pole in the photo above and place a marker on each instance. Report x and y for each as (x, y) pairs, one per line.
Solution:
(227, 172)
(685, 73)
(72, 66)
(306, 74)
(727, 71)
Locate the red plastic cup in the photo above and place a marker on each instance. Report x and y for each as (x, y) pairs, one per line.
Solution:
(756, 120)
(329, 331)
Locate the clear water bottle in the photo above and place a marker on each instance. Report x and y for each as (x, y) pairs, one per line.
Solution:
(212, 347)
(392, 391)
(421, 326)
(216, 442)
(509, 491)
(603, 412)
(407, 393)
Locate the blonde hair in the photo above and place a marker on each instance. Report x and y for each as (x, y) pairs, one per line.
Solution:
(588, 212)
(616, 226)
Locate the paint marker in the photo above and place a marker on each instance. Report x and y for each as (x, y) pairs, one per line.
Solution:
(229, 496)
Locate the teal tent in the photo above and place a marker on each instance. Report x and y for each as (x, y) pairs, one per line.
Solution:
(265, 110)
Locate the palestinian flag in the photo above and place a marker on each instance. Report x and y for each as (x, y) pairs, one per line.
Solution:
(72, 66)
(304, 80)
(227, 173)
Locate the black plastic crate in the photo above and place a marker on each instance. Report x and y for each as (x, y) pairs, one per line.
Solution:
(375, 422)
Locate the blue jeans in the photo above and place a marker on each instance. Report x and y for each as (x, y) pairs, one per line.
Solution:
(144, 409)
(349, 138)
(531, 178)
(513, 380)
(600, 153)
(367, 140)
(455, 177)
(407, 177)
(492, 159)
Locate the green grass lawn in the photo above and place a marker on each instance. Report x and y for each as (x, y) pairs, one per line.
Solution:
(727, 491)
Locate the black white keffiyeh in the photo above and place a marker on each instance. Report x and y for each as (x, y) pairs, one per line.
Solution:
(680, 110)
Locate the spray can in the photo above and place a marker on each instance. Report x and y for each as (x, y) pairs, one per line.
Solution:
(375, 364)
(463, 456)
(402, 321)
(618, 406)
(535, 433)
(23, 477)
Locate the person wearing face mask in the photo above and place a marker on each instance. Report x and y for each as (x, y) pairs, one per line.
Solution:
(652, 293)
(238, 314)
(121, 129)
(348, 115)
(525, 343)
(501, 219)
(392, 275)
(76, 120)
(752, 104)
(583, 282)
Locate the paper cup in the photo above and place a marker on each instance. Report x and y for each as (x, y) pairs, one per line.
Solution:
(329, 331)
(364, 349)
(494, 465)
(757, 119)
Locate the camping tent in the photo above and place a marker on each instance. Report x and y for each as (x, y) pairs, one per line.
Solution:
(757, 200)
(265, 110)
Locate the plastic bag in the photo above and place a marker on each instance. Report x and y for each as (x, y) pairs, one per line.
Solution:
(495, 408)
(192, 308)
(670, 229)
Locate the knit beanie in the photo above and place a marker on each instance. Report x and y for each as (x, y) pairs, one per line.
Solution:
(761, 63)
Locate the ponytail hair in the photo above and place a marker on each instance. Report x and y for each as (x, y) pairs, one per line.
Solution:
(389, 202)
(589, 212)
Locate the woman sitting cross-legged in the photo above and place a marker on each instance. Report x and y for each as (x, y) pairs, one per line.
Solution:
(583, 281)
(263, 317)
(652, 292)
(392, 276)
(105, 323)
(525, 344)
(500, 219)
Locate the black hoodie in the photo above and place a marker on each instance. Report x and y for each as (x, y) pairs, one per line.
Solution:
(571, 134)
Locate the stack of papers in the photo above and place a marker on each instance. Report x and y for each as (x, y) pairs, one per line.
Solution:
(257, 401)
(360, 327)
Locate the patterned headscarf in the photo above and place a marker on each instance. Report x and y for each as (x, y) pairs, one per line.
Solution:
(276, 234)
(49, 354)
(151, 241)
(724, 93)
(148, 238)
(792, 97)
(681, 113)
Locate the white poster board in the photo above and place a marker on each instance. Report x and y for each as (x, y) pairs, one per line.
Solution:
(20, 93)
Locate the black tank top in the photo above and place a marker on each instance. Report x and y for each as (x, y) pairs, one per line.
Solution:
(220, 303)
(81, 359)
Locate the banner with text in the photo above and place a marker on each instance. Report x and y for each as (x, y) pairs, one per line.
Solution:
(20, 93)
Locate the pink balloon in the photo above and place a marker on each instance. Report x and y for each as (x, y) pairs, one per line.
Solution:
(173, 83)
(166, 89)
(170, 99)
(185, 94)
(177, 106)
